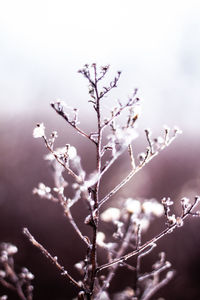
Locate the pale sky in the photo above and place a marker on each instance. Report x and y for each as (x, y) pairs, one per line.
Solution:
(155, 43)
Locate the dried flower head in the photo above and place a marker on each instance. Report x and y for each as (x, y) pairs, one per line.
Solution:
(39, 131)
(133, 206)
(110, 215)
(153, 207)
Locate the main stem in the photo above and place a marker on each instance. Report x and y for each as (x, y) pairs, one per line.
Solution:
(93, 257)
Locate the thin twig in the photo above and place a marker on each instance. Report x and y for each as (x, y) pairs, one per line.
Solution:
(154, 272)
(9, 267)
(147, 159)
(130, 150)
(122, 249)
(76, 177)
(158, 286)
(74, 225)
(7, 284)
(138, 260)
(117, 113)
(50, 257)
(65, 117)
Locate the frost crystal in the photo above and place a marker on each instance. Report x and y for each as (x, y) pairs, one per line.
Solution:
(39, 131)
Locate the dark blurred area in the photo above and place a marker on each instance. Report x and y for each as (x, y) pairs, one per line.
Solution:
(174, 173)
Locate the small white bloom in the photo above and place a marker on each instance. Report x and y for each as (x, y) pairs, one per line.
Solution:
(171, 219)
(30, 276)
(144, 224)
(158, 209)
(42, 190)
(177, 130)
(39, 131)
(12, 249)
(167, 201)
(170, 274)
(79, 265)
(110, 215)
(110, 246)
(104, 296)
(9, 248)
(141, 156)
(59, 190)
(137, 110)
(2, 274)
(4, 256)
(26, 274)
(49, 156)
(153, 207)
(147, 207)
(159, 140)
(100, 239)
(185, 201)
(179, 221)
(72, 153)
(133, 206)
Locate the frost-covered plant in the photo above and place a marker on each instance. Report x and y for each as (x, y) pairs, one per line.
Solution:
(131, 218)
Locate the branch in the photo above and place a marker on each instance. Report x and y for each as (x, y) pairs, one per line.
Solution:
(50, 257)
(76, 177)
(85, 239)
(150, 242)
(158, 286)
(149, 156)
(116, 113)
(122, 249)
(61, 112)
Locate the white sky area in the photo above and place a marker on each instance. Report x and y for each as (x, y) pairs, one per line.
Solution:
(156, 45)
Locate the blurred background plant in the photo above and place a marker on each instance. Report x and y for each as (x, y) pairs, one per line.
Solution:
(157, 46)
